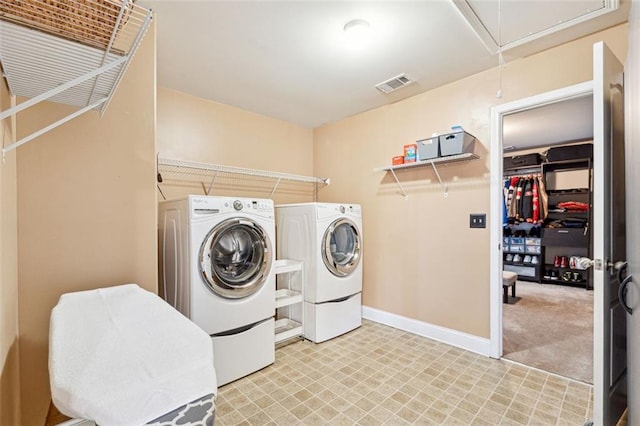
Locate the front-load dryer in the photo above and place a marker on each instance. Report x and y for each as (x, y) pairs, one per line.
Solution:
(217, 258)
(327, 237)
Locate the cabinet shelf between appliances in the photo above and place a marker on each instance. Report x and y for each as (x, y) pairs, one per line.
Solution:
(286, 328)
(289, 300)
(467, 156)
(286, 297)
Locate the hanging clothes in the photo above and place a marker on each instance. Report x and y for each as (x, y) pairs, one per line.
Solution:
(517, 198)
(525, 199)
(505, 201)
(536, 201)
(544, 200)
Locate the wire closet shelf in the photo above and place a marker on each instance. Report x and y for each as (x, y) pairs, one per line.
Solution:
(72, 52)
(205, 174)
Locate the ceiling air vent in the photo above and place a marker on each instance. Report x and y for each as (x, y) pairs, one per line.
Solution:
(394, 83)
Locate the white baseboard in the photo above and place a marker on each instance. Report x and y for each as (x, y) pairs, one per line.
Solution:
(456, 338)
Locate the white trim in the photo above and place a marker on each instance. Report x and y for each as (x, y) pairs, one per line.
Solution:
(495, 210)
(456, 338)
(477, 25)
(493, 45)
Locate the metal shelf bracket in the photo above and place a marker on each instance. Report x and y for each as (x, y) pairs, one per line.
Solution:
(404, 193)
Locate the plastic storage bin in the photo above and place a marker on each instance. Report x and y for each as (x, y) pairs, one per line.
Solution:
(456, 143)
(429, 148)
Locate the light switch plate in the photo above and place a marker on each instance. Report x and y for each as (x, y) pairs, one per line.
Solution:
(477, 220)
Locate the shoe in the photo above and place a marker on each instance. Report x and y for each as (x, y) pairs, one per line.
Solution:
(576, 277)
(554, 274)
(534, 260)
(509, 258)
(547, 274)
(527, 259)
(517, 258)
(534, 232)
(564, 262)
(556, 262)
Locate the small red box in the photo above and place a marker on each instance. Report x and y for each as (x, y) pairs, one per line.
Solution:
(399, 159)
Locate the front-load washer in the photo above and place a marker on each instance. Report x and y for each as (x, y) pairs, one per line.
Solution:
(327, 237)
(217, 258)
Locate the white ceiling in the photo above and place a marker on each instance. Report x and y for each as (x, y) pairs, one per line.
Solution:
(289, 60)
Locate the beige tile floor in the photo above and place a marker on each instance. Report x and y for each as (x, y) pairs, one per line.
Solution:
(378, 375)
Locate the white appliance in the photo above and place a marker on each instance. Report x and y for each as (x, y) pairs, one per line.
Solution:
(217, 268)
(327, 237)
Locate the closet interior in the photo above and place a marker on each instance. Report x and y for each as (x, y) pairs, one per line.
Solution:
(547, 214)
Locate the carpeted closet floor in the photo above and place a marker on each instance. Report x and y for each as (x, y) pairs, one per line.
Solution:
(550, 327)
(378, 375)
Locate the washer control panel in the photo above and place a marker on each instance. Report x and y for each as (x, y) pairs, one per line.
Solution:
(205, 206)
(249, 206)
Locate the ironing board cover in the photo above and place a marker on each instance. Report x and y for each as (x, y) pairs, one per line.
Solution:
(123, 356)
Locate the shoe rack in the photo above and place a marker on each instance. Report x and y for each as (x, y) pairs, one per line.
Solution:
(562, 243)
(524, 256)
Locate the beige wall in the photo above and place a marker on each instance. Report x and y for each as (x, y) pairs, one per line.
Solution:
(9, 357)
(421, 259)
(194, 129)
(87, 211)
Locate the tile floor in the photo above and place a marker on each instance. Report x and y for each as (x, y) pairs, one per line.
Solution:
(378, 375)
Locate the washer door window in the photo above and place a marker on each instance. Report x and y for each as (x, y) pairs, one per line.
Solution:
(235, 258)
(341, 247)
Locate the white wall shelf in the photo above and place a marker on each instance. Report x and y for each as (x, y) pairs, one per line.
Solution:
(289, 299)
(205, 174)
(441, 160)
(73, 52)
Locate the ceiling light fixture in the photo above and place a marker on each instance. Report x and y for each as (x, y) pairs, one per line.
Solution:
(357, 30)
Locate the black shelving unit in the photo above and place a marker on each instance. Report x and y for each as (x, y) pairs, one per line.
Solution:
(524, 256)
(559, 242)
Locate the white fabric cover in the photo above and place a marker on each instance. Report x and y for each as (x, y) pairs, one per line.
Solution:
(509, 278)
(123, 356)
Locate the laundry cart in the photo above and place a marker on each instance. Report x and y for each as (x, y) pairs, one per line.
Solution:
(122, 356)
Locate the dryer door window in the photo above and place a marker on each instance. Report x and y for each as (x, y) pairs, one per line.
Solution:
(341, 247)
(235, 258)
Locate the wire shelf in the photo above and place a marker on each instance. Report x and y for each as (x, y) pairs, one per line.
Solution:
(466, 156)
(206, 175)
(73, 52)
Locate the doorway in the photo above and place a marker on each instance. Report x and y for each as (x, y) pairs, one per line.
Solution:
(608, 230)
(520, 125)
(549, 325)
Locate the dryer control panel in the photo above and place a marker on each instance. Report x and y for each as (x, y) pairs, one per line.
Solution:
(330, 210)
